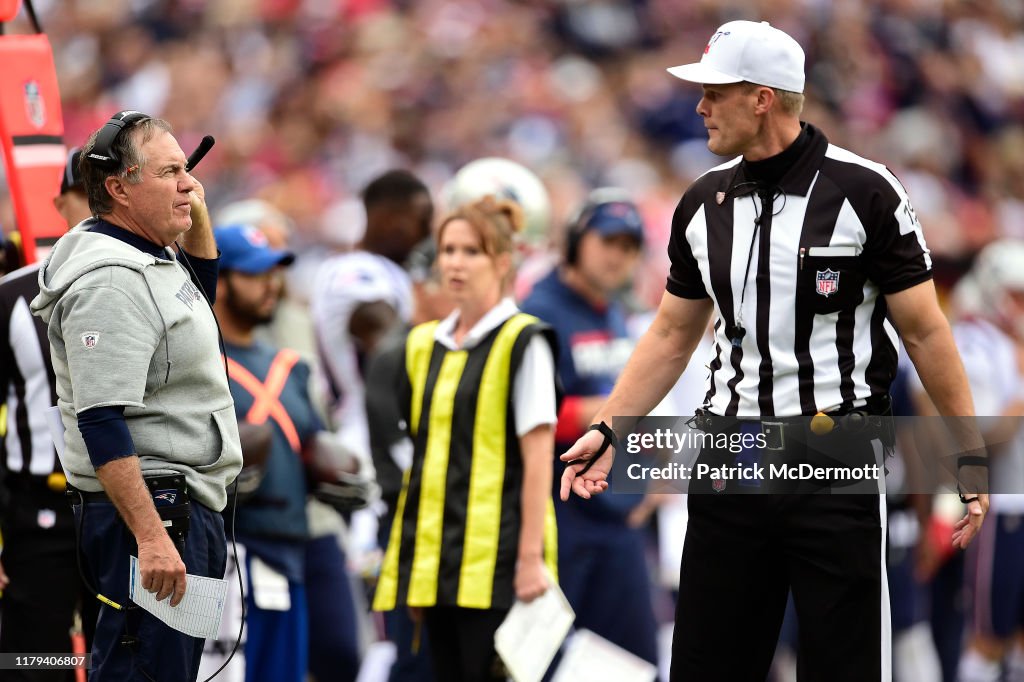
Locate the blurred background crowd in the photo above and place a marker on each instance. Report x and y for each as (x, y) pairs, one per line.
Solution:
(309, 100)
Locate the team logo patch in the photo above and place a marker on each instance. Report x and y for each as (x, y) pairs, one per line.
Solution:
(35, 108)
(255, 237)
(162, 497)
(718, 485)
(714, 39)
(826, 282)
(90, 339)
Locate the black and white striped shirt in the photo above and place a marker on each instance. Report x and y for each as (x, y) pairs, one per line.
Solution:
(26, 378)
(807, 285)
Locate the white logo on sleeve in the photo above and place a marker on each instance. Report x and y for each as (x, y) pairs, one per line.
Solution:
(90, 339)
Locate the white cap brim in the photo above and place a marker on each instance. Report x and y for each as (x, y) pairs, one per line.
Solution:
(702, 73)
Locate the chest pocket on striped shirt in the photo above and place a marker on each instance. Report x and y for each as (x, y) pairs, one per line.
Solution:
(832, 283)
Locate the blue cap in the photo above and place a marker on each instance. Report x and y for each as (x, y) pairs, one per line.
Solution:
(243, 248)
(611, 218)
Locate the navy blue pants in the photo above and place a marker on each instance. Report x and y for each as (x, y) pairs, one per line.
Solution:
(277, 642)
(159, 652)
(333, 633)
(607, 559)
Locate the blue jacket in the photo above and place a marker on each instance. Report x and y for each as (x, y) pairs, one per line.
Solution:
(593, 346)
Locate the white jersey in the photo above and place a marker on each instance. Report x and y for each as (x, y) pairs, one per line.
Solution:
(990, 359)
(343, 283)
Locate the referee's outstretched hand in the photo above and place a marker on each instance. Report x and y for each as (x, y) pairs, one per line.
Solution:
(595, 479)
(967, 527)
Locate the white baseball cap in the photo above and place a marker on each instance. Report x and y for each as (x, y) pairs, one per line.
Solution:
(748, 51)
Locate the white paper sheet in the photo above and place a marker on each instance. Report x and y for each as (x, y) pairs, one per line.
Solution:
(199, 612)
(269, 587)
(532, 633)
(593, 658)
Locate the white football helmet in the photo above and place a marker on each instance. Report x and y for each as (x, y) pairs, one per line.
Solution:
(997, 270)
(505, 179)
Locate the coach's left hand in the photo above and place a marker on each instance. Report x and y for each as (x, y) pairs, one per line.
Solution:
(967, 527)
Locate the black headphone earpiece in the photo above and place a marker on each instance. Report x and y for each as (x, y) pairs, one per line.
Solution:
(574, 233)
(102, 154)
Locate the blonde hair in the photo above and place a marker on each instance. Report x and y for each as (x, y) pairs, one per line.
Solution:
(790, 102)
(495, 220)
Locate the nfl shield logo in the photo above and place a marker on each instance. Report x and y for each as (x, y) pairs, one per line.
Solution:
(826, 282)
(34, 105)
(718, 485)
(46, 518)
(90, 339)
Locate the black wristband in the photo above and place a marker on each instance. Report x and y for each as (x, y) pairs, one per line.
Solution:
(609, 439)
(965, 500)
(971, 461)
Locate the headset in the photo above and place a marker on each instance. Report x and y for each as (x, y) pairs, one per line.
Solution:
(102, 154)
(598, 198)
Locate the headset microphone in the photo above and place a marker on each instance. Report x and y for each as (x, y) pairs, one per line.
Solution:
(204, 146)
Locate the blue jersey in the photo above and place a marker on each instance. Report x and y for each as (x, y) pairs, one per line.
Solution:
(272, 523)
(593, 343)
(593, 347)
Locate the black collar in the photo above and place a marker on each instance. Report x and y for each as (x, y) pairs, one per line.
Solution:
(770, 171)
(803, 159)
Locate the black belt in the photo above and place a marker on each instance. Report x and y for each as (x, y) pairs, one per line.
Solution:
(777, 430)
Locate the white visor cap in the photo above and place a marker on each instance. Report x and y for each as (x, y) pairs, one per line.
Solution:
(748, 51)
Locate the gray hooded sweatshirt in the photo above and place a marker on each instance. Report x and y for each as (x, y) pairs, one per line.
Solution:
(127, 328)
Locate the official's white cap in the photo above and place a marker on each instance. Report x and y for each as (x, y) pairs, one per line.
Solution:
(748, 51)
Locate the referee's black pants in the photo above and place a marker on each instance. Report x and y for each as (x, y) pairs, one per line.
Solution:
(744, 553)
(39, 556)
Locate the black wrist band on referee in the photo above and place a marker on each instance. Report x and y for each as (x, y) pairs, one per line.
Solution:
(965, 500)
(609, 439)
(971, 461)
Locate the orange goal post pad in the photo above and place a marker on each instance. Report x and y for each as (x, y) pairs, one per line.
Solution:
(9, 9)
(31, 135)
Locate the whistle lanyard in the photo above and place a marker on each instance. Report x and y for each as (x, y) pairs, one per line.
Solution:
(736, 331)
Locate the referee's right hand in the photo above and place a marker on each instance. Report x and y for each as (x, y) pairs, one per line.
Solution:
(595, 480)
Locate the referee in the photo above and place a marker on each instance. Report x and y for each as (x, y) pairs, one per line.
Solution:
(804, 252)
